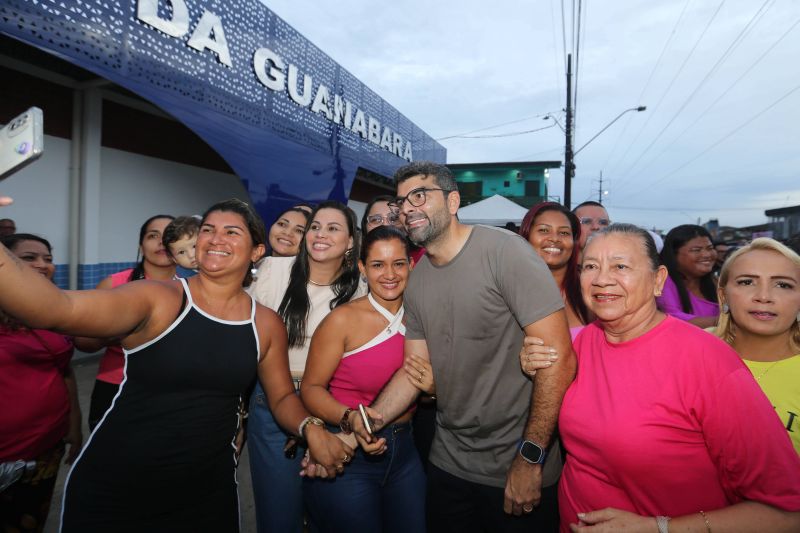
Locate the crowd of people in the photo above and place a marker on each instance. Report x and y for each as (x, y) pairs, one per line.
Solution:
(410, 373)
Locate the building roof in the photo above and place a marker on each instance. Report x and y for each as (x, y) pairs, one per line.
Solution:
(511, 164)
(792, 210)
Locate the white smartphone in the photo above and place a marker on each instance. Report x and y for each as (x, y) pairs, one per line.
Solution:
(21, 141)
(365, 417)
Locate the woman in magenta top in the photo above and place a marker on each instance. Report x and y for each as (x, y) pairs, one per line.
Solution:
(154, 264)
(690, 291)
(353, 354)
(554, 231)
(664, 426)
(39, 411)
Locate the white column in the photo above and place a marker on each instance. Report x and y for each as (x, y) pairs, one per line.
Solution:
(90, 178)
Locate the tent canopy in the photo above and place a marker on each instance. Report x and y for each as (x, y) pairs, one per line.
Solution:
(493, 211)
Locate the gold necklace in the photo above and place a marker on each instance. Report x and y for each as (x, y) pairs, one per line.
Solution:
(764, 373)
(311, 281)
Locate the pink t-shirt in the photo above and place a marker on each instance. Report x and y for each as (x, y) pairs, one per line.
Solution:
(112, 364)
(670, 303)
(34, 400)
(669, 423)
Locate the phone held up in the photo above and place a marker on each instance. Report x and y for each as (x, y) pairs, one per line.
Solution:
(21, 141)
(365, 418)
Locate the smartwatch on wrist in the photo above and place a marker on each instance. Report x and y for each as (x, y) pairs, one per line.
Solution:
(344, 423)
(532, 452)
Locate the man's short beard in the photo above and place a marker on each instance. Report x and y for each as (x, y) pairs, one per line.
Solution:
(425, 236)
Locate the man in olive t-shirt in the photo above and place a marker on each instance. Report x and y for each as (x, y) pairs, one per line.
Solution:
(469, 304)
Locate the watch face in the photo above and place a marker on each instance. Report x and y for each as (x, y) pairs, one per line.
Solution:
(531, 452)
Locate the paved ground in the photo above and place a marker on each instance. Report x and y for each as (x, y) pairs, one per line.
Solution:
(85, 370)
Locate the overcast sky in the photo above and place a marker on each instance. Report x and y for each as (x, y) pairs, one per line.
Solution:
(719, 137)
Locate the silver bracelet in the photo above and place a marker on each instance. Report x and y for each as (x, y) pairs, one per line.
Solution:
(663, 524)
(306, 421)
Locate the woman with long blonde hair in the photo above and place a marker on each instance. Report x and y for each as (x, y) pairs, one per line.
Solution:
(759, 293)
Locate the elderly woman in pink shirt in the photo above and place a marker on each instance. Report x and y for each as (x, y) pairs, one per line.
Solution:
(664, 426)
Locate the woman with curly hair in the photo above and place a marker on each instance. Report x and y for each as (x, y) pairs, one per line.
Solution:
(554, 231)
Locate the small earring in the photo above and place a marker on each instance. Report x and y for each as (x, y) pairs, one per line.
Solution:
(348, 259)
(658, 293)
(725, 308)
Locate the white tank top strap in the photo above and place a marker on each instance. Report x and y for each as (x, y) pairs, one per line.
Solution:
(253, 308)
(395, 326)
(189, 300)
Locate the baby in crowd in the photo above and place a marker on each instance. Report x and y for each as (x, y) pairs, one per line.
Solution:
(179, 239)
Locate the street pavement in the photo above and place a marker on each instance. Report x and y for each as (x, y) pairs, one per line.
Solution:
(85, 371)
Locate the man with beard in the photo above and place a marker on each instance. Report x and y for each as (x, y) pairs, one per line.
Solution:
(468, 305)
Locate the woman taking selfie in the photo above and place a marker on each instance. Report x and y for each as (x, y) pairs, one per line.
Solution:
(759, 290)
(354, 353)
(162, 457)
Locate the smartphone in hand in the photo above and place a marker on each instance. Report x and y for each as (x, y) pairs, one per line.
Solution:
(21, 141)
(365, 418)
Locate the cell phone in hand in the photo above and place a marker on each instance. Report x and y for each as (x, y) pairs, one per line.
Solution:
(365, 417)
(21, 141)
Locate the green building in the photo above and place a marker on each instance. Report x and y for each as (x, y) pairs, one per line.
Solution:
(524, 182)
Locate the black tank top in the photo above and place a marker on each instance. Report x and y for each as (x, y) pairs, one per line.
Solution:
(161, 459)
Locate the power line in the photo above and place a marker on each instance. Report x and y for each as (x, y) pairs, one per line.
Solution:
(564, 34)
(497, 125)
(511, 134)
(572, 35)
(715, 144)
(679, 209)
(724, 93)
(577, 62)
(725, 55)
(674, 78)
(521, 158)
(649, 79)
(555, 48)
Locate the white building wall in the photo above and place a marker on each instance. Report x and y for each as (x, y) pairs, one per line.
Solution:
(41, 196)
(132, 188)
(135, 187)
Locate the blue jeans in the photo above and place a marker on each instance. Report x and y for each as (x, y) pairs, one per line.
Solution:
(277, 485)
(383, 493)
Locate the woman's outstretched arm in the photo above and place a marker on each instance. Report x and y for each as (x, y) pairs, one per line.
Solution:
(34, 300)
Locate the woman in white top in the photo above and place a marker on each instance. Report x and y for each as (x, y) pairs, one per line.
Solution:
(303, 290)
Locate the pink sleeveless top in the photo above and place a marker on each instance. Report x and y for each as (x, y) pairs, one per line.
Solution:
(363, 372)
(112, 364)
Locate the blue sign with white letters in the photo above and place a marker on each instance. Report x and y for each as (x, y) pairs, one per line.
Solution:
(292, 123)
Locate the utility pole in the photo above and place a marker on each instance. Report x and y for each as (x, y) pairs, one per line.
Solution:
(569, 166)
(600, 189)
